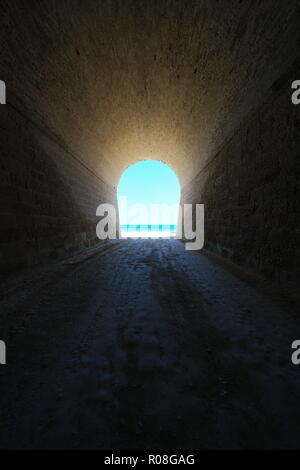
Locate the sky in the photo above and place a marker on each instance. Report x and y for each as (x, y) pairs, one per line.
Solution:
(148, 182)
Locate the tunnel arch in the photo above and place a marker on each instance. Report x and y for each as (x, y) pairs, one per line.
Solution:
(163, 91)
(132, 161)
(148, 194)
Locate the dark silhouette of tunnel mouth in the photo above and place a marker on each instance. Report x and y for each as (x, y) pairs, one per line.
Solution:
(142, 344)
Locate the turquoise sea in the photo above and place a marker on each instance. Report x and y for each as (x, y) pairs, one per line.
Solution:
(148, 228)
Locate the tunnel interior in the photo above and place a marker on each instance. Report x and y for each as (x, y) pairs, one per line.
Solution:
(92, 88)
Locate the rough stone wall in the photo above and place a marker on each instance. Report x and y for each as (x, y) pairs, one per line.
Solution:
(251, 189)
(124, 80)
(48, 198)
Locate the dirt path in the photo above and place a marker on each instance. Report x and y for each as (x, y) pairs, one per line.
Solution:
(145, 345)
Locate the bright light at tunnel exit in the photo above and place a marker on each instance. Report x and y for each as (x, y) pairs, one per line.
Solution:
(148, 199)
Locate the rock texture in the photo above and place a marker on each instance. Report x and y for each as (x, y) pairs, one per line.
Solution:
(251, 189)
(92, 87)
(121, 80)
(166, 351)
(48, 197)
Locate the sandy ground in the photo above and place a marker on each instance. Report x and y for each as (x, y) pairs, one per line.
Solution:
(145, 345)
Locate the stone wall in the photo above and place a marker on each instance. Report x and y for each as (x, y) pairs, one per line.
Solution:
(48, 197)
(251, 189)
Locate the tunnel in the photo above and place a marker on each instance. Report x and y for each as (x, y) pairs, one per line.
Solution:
(138, 344)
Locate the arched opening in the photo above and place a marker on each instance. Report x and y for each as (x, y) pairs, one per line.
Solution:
(148, 199)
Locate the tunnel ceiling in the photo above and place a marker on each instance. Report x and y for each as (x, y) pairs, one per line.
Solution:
(120, 81)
